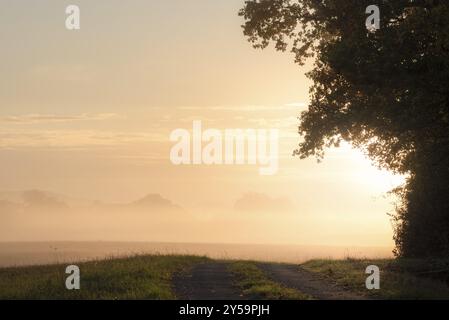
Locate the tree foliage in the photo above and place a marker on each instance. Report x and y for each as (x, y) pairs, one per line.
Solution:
(384, 91)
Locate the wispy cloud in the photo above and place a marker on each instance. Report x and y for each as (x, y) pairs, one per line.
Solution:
(296, 105)
(286, 122)
(289, 106)
(75, 138)
(47, 118)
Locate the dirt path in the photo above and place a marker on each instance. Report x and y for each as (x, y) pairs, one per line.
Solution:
(207, 281)
(213, 281)
(294, 276)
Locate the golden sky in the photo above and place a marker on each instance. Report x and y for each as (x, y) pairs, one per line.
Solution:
(88, 113)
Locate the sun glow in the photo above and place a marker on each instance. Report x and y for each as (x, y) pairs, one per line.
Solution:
(366, 173)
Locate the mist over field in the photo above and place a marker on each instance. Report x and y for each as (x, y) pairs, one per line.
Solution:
(32, 253)
(255, 218)
(40, 227)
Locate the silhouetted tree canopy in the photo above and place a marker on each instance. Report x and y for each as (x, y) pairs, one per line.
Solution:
(384, 91)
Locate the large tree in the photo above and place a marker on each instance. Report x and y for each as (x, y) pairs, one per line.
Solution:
(385, 91)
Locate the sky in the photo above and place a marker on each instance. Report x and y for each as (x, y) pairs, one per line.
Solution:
(89, 113)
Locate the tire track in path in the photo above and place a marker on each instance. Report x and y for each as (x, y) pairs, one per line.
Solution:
(207, 281)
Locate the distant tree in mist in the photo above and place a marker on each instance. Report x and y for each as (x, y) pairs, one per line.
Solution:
(385, 91)
(41, 200)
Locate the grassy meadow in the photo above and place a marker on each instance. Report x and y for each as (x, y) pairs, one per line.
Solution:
(151, 277)
(399, 278)
(136, 277)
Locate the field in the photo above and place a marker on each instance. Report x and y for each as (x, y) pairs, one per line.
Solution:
(400, 279)
(138, 277)
(170, 277)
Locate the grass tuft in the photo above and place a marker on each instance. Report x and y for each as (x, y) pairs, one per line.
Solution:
(256, 285)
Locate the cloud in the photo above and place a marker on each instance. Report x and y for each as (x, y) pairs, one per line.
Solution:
(260, 202)
(47, 118)
(296, 104)
(168, 119)
(249, 108)
(75, 138)
(286, 122)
